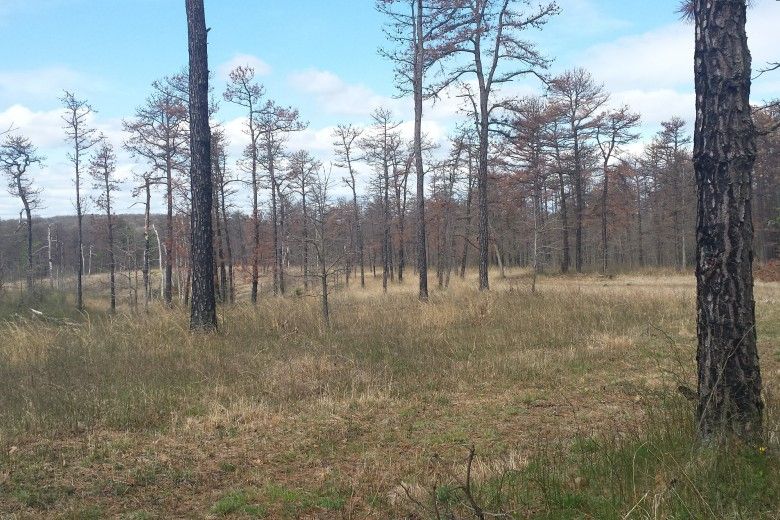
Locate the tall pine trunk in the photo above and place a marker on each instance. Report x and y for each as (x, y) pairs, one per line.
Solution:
(203, 312)
(729, 376)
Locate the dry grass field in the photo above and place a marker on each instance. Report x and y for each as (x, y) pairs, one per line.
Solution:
(567, 396)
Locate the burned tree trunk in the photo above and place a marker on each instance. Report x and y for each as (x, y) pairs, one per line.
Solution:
(729, 393)
(203, 314)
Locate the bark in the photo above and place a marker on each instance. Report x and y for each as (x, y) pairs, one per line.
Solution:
(467, 218)
(729, 376)
(229, 248)
(203, 312)
(168, 279)
(305, 235)
(386, 217)
(274, 220)
(565, 261)
(147, 243)
(604, 237)
(111, 260)
(639, 240)
(50, 262)
(28, 218)
(482, 195)
(419, 57)
(79, 220)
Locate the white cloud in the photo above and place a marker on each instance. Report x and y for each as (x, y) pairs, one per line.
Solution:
(661, 58)
(43, 84)
(44, 128)
(336, 97)
(657, 105)
(261, 67)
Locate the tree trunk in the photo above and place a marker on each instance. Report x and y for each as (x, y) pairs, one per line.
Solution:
(28, 216)
(50, 262)
(467, 218)
(482, 197)
(639, 224)
(79, 220)
(604, 242)
(565, 261)
(147, 245)
(385, 220)
(256, 228)
(203, 312)
(168, 279)
(729, 376)
(228, 246)
(111, 260)
(419, 57)
(305, 233)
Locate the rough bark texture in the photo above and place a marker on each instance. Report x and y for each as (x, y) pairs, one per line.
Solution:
(203, 314)
(729, 389)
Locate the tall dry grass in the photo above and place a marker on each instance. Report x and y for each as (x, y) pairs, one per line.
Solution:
(345, 414)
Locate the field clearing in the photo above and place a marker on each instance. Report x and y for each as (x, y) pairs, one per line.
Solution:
(568, 396)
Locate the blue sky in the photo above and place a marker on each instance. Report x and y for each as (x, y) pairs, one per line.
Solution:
(314, 54)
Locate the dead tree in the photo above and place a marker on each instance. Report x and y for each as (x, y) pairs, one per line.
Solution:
(729, 375)
(102, 168)
(275, 122)
(346, 139)
(379, 149)
(616, 130)
(328, 258)
(491, 38)
(579, 99)
(422, 31)
(245, 92)
(302, 171)
(82, 137)
(146, 189)
(203, 310)
(17, 155)
(158, 134)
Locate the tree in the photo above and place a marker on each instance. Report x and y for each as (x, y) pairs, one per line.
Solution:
(616, 131)
(671, 144)
(579, 99)
(346, 138)
(145, 188)
(158, 134)
(203, 313)
(528, 147)
(222, 188)
(380, 148)
(77, 130)
(243, 91)
(729, 375)
(422, 31)
(327, 259)
(102, 168)
(274, 123)
(303, 168)
(497, 54)
(17, 155)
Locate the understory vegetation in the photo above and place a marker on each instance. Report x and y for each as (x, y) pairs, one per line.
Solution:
(562, 403)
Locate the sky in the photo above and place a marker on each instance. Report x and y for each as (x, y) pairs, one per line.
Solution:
(317, 55)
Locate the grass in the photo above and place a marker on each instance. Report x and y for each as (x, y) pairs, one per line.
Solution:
(566, 395)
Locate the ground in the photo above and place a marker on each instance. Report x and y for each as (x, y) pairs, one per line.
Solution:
(568, 397)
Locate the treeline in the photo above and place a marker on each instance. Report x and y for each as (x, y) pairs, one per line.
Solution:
(558, 182)
(649, 209)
